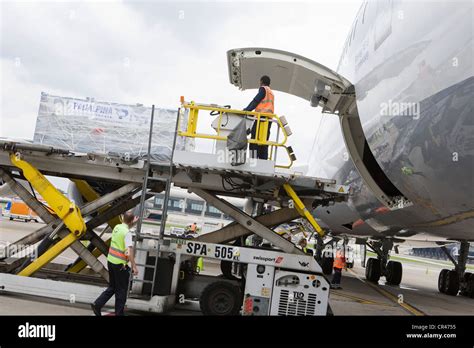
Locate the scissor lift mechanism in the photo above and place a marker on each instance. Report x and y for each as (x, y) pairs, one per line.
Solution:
(67, 224)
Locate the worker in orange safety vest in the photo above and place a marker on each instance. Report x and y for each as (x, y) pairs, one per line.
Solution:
(264, 101)
(338, 265)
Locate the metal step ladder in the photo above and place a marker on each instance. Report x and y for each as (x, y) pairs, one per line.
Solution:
(141, 238)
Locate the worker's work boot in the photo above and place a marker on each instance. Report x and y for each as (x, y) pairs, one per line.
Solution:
(96, 310)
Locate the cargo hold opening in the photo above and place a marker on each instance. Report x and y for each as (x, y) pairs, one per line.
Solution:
(367, 166)
(378, 174)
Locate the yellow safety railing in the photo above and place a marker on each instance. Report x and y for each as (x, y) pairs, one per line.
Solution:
(262, 120)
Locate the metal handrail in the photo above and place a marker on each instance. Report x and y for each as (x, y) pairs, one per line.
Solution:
(262, 119)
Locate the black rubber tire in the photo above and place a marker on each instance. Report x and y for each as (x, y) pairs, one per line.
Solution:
(220, 298)
(226, 266)
(452, 283)
(394, 273)
(442, 280)
(226, 269)
(463, 290)
(11, 219)
(326, 265)
(373, 270)
(470, 286)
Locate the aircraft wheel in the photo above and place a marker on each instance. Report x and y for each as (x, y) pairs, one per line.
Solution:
(452, 283)
(394, 273)
(226, 269)
(463, 290)
(470, 286)
(373, 270)
(326, 265)
(442, 280)
(226, 266)
(466, 287)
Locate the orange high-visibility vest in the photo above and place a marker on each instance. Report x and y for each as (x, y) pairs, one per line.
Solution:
(339, 260)
(268, 102)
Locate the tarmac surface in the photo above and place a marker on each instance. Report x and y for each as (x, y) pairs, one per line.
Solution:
(417, 294)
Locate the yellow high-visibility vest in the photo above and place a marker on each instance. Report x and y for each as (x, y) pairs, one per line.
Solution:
(117, 245)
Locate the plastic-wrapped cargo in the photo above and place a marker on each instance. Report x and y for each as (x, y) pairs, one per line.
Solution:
(88, 126)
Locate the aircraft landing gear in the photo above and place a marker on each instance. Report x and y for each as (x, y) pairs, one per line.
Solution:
(381, 266)
(451, 282)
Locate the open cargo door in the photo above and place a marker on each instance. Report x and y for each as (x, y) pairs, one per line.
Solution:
(293, 74)
(321, 86)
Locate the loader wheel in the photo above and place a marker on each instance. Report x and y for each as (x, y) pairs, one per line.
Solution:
(220, 298)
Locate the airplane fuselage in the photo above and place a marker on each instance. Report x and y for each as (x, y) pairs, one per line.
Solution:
(414, 88)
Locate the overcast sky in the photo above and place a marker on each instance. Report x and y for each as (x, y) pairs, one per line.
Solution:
(152, 52)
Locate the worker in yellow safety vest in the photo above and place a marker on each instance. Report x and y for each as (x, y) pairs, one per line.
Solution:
(120, 252)
(264, 101)
(338, 265)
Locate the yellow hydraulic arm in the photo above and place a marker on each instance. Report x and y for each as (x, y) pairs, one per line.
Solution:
(301, 208)
(66, 210)
(91, 195)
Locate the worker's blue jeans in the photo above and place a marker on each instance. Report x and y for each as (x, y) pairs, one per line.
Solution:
(336, 277)
(119, 276)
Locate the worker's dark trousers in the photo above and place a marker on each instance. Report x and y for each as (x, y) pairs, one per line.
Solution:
(259, 151)
(336, 277)
(119, 276)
